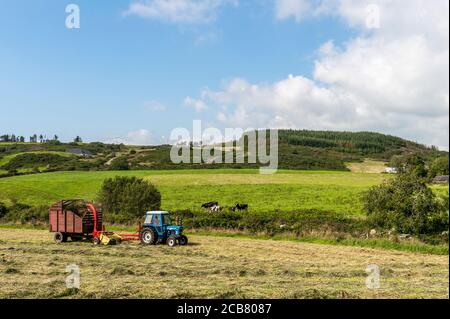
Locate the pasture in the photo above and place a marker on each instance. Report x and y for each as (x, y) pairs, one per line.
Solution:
(285, 191)
(32, 266)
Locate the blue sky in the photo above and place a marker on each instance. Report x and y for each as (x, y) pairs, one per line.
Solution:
(124, 73)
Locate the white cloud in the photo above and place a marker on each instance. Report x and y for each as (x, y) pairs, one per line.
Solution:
(297, 9)
(179, 11)
(196, 104)
(293, 102)
(155, 106)
(327, 49)
(139, 137)
(393, 79)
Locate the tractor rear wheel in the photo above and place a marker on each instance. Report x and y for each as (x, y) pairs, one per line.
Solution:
(183, 240)
(172, 241)
(149, 236)
(60, 238)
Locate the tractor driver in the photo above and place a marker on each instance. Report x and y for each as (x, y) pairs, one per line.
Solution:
(156, 220)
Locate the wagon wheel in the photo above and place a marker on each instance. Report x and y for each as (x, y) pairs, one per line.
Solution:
(60, 238)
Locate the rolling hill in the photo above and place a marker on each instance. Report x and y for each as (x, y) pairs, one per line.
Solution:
(298, 149)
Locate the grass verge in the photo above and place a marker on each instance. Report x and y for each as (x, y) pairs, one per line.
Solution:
(383, 243)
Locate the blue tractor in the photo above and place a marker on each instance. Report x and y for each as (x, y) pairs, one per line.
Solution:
(158, 229)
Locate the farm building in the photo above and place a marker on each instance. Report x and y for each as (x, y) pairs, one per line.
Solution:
(440, 179)
(79, 151)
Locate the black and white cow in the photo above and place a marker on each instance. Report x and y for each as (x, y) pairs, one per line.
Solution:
(239, 207)
(213, 207)
(210, 205)
(216, 209)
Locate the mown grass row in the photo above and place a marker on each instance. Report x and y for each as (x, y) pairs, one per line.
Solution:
(412, 245)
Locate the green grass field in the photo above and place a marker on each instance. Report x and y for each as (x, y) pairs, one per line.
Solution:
(188, 189)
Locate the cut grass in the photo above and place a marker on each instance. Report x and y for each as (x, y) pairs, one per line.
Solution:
(382, 243)
(285, 191)
(32, 266)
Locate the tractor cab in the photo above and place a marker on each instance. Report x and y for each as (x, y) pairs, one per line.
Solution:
(158, 228)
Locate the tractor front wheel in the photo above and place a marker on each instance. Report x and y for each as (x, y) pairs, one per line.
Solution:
(183, 240)
(96, 241)
(149, 236)
(172, 241)
(60, 238)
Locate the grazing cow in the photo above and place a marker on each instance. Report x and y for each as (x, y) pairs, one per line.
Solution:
(213, 207)
(210, 205)
(216, 209)
(239, 207)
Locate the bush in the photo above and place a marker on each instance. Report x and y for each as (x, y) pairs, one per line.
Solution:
(407, 204)
(23, 213)
(128, 197)
(33, 215)
(119, 164)
(3, 210)
(269, 223)
(439, 167)
(12, 171)
(30, 160)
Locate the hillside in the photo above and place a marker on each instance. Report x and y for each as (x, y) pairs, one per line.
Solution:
(298, 149)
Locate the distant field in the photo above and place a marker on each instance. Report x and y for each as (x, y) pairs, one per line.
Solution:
(188, 189)
(32, 266)
(368, 166)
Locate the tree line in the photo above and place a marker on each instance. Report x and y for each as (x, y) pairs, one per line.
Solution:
(366, 142)
(41, 138)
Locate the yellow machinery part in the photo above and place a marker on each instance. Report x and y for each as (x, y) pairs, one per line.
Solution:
(110, 239)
